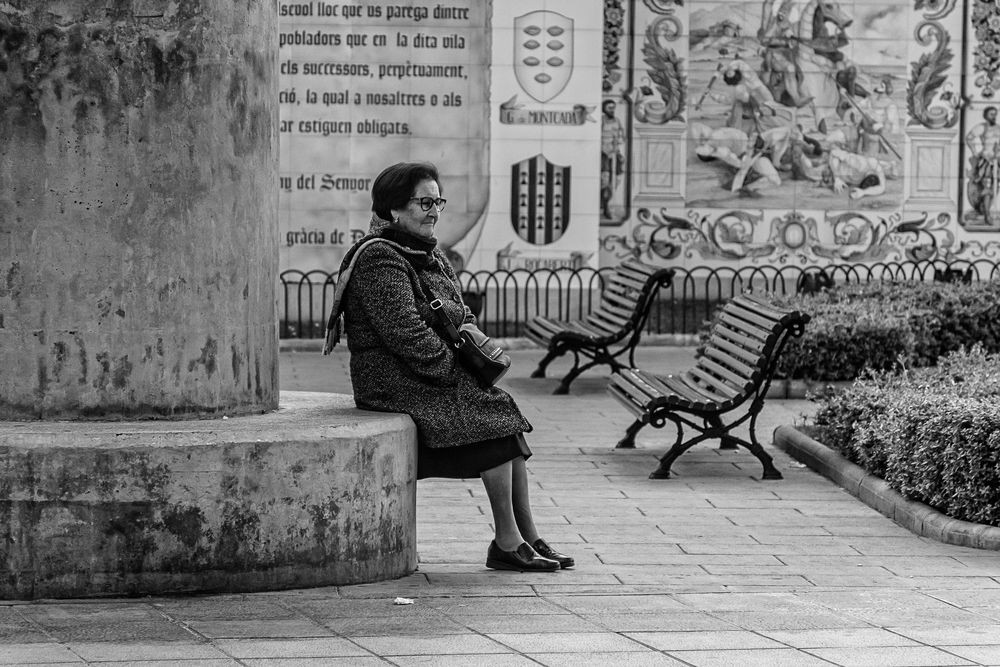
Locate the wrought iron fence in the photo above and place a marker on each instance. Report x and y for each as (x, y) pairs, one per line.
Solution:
(507, 300)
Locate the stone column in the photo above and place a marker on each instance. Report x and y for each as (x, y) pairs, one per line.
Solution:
(138, 208)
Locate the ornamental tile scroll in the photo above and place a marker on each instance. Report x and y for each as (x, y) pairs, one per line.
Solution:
(985, 17)
(662, 96)
(795, 237)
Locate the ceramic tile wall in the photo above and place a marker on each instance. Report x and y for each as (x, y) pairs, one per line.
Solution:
(688, 133)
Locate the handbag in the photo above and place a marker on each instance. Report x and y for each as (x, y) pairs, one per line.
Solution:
(477, 352)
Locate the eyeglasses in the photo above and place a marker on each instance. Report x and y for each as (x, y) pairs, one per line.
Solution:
(427, 202)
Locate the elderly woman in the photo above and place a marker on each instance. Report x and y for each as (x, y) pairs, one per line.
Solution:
(401, 363)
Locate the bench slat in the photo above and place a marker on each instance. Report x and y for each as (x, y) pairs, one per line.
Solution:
(639, 267)
(744, 327)
(628, 302)
(639, 411)
(753, 302)
(724, 376)
(626, 314)
(601, 329)
(638, 276)
(711, 384)
(753, 346)
(585, 329)
(755, 318)
(672, 390)
(635, 385)
(688, 396)
(717, 353)
(616, 322)
(749, 356)
(624, 282)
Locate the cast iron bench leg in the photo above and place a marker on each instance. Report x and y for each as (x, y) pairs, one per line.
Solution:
(770, 472)
(544, 363)
(667, 460)
(628, 442)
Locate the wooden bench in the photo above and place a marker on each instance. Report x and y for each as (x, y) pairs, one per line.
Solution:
(725, 388)
(611, 330)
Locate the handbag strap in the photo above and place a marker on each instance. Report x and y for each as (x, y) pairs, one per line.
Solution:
(436, 304)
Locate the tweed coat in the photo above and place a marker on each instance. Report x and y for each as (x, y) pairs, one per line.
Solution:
(399, 363)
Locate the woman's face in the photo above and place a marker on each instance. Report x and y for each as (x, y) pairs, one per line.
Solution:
(416, 220)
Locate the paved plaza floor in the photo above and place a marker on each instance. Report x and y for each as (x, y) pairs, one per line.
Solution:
(712, 567)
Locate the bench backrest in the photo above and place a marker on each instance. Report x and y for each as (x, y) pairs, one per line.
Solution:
(743, 347)
(627, 296)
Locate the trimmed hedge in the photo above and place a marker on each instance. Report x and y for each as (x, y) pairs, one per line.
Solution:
(932, 433)
(881, 326)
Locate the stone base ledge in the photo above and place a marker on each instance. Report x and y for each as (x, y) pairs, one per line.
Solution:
(317, 493)
(877, 494)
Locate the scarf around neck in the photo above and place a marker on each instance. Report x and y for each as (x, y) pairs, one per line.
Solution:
(420, 256)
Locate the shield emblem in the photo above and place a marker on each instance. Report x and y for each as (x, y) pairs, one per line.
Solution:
(539, 199)
(543, 53)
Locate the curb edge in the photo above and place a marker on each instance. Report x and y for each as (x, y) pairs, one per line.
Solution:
(877, 494)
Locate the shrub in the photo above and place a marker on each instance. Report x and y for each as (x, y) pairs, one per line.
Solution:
(932, 433)
(882, 325)
(843, 339)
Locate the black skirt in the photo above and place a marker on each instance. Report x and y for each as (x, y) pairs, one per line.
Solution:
(465, 461)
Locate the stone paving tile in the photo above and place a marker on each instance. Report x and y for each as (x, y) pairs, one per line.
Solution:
(750, 658)
(643, 574)
(515, 623)
(881, 656)
(495, 660)
(790, 620)
(223, 607)
(624, 659)
(701, 640)
(659, 622)
(603, 604)
(970, 597)
(908, 582)
(569, 642)
(987, 562)
(435, 624)
(920, 618)
(53, 614)
(16, 629)
(904, 546)
(708, 562)
(353, 661)
(746, 602)
(290, 648)
(259, 629)
(841, 637)
(145, 651)
(952, 635)
(521, 606)
(982, 655)
(716, 547)
(90, 631)
(37, 653)
(213, 662)
(431, 645)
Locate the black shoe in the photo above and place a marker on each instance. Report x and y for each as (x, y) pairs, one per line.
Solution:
(545, 551)
(523, 558)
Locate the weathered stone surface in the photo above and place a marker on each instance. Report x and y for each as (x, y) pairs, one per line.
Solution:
(138, 208)
(317, 493)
